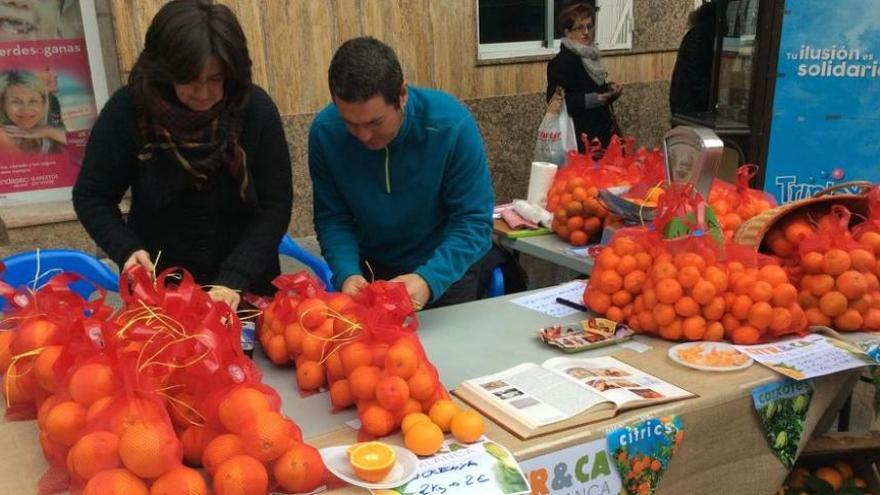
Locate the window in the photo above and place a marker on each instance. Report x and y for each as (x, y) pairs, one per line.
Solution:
(527, 28)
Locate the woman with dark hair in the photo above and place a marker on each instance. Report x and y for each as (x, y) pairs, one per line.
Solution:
(579, 71)
(203, 151)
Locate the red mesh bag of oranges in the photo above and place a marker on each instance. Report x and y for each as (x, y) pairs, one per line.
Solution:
(838, 275)
(36, 327)
(736, 203)
(868, 232)
(378, 362)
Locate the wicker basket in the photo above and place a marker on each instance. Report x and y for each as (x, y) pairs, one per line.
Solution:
(753, 230)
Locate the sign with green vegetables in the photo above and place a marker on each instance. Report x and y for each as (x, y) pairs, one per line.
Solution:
(782, 409)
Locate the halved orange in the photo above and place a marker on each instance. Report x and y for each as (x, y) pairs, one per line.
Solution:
(372, 461)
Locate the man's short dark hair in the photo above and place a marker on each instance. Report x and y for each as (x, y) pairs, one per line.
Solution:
(364, 67)
(179, 41)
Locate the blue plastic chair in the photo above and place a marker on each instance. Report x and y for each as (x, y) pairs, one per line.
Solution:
(319, 267)
(20, 270)
(496, 283)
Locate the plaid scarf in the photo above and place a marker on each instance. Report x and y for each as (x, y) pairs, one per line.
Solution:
(203, 143)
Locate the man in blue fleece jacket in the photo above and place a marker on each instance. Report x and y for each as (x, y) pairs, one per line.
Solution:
(401, 185)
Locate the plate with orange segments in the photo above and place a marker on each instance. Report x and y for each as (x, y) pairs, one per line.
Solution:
(709, 356)
(337, 460)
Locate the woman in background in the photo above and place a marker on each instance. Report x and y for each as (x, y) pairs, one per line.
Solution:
(203, 151)
(692, 76)
(578, 69)
(25, 115)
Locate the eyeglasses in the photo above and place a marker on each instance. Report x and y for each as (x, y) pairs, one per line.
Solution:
(582, 27)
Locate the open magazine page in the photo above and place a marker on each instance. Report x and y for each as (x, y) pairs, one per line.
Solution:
(535, 394)
(614, 380)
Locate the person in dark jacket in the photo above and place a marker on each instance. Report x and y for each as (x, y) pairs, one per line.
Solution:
(692, 76)
(203, 151)
(578, 69)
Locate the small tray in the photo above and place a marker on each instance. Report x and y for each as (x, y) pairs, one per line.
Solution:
(585, 335)
(336, 461)
(708, 347)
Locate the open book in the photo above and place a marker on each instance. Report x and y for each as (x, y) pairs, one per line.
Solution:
(562, 392)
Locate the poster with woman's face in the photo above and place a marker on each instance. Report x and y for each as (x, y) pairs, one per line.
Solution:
(47, 104)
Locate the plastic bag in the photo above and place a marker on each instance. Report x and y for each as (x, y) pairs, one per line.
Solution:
(556, 135)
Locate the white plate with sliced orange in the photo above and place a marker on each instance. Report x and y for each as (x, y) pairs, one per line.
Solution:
(373, 465)
(709, 356)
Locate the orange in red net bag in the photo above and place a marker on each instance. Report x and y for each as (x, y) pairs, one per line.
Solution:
(736, 203)
(838, 276)
(868, 232)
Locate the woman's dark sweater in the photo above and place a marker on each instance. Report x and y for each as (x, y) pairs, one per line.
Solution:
(207, 230)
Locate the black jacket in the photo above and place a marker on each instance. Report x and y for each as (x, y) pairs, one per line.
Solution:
(211, 232)
(566, 70)
(692, 76)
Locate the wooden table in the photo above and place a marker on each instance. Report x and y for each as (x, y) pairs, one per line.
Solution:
(724, 450)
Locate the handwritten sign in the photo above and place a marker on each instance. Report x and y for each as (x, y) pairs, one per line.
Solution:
(807, 357)
(581, 470)
(484, 467)
(545, 301)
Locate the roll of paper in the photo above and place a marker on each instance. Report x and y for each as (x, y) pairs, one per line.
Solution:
(540, 180)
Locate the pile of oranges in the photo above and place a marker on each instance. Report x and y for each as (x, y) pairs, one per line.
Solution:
(387, 382)
(27, 357)
(834, 477)
(690, 295)
(423, 433)
(578, 215)
(734, 204)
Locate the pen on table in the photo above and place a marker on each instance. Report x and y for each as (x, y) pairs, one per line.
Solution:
(571, 304)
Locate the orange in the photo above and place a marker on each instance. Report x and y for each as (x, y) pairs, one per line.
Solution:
(634, 281)
(626, 265)
(276, 349)
(807, 300)
(703, 291)
(377, 421)
(379, 352)
(836, 261)
(650, 297)
(355, 355)
(672, 331)
(315, 345)
(607, 259)
(872, 319)
(849, 321)
(149, 449)
(441, 413)
(741, 306)
(760, 315)
(818, 285)
(372, 461)
(714, 332)
(312, 313)
(684, 258)
(779, 245)
(812, 262)
(34, 334)
(663, 314)
(781, 321)
(93, 453)
(714, 309)
(43, 364)
(621, 298)
(845, 470)
(688, 276)
(833, 304)
(423, 438)
(241, 475)
(310, 375)
(797, 478)
(784, 294)
(743, 283)
(663, 270)
(716, 277)
(339, 301)
(239, 405)
(421, 385)
(851, 284)
(597, 300)
(859, 482)
(730, 324)
(392, 392)
(467, 426)
(816, 317)
(745, 335)
(402, 359)
(694, 328)
(797, 231)
(91, 382)
(668, 291)
(862, 260)
(300, 469)
(47, 406)
(831, 476)
(180, 481)
(340, 394)
(6, 338)
(412, 419)
(115, 482)
(293, 337)
(265, 436)
(871, 240)
(19, 388)
(334, 367)
(577, 237)
(219, 449)
(409, 407)
(608, 281)
(124, 413)
(761, 291)
(686, 307)
(363, 381)
(194, 439)
(644, 261)
(65, 422)
(181, 410)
